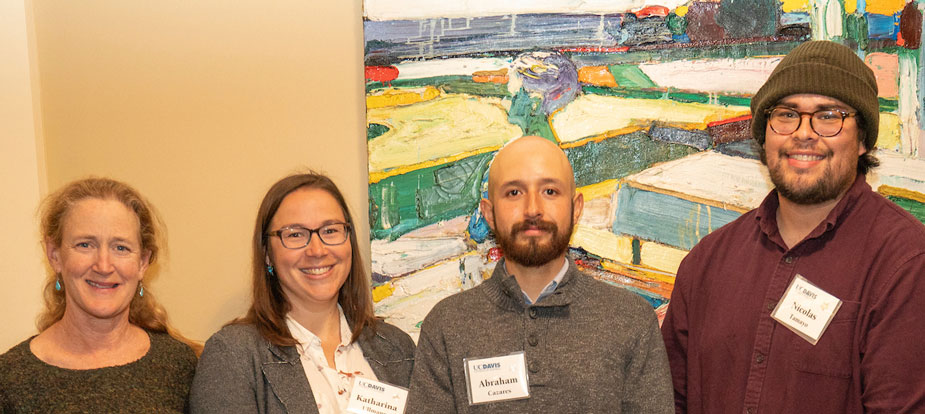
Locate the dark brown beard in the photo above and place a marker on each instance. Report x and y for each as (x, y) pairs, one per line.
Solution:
(534, 254)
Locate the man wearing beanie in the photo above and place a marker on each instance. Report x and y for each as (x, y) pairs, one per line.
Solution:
(814, 302)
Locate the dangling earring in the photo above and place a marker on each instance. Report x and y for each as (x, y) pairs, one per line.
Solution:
(270, 270)
(57, 284)
(141, 290)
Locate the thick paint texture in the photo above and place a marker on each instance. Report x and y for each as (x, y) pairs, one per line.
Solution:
(649, 102)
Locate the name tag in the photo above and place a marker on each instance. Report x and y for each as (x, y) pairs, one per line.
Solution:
(374, 397)
(500, 378)
(806, 309)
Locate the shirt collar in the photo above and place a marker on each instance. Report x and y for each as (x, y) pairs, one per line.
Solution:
(766, 213)
(550, 287)
(307, 338)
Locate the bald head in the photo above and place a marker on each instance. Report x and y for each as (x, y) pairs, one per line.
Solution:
(528, 158)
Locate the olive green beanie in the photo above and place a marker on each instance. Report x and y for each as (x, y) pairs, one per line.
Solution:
(823, 68)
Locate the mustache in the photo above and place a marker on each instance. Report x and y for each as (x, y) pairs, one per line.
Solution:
(534, 223)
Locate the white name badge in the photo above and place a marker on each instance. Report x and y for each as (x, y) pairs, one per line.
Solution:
(500, 378)
(374, 397)
(805, 309)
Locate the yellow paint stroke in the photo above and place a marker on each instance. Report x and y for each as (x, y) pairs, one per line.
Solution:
(593, 115)
(438, 129)
(795, 5)
(382, 291)
(396, 97)
(603, 243)
(597, 190)
(681, 11)
(887, 190)
(638, 272)
(661, 257)
(889, 135)
(851, 6)
(692, 198)
(885, 7)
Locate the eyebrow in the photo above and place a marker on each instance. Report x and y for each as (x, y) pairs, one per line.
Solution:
(820, 107)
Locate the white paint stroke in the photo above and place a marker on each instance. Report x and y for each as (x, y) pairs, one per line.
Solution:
(732, 76)
(740, 182)
(417, 293)
(591, 115)
(597, 213)
(403, 256)
(418, 9)
(908, 104)
(454, 227)
(898, 170)
(445, 67)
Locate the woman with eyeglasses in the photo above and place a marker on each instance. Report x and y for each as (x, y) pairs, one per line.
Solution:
(310, 331)
(104, 344)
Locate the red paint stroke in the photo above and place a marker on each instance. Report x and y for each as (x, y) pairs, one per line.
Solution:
(644, 12)
(617, 49)
(381, 73)
(910, 27)
(729, 120)
(495, 254)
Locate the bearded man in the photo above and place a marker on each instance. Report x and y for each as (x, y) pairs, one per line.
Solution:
(813, 302)
(539, 335)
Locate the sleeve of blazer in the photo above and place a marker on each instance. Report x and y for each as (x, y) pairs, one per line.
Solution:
(224, 381)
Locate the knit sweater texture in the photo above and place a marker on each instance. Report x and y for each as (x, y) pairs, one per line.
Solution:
(158, 382)
(590, 347)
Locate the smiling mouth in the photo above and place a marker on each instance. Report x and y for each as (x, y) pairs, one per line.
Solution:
(102, 285)
(316, 270)
(806, 157)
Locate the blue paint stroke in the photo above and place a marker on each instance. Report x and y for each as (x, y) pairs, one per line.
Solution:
(666, 219)
(692, 138)
(549, 74)
(744, 149)
(798, 18)
(881, 27)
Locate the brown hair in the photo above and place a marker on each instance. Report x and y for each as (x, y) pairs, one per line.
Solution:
(144, 311)
(270, 306)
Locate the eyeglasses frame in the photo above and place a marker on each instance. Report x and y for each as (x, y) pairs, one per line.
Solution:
(311, 232)
(844, 115)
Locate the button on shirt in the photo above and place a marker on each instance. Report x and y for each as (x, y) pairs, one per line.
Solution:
(331, 386)
(550, 287)
(728, 355)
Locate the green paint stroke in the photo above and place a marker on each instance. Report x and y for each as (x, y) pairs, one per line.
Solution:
(402, 203)
(448, 83)
(915, 208)
(375, 130)
(630, 76)
(527, 113)
(620, 156)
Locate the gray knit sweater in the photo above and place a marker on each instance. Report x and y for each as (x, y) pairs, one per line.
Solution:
(590, 348)
(159, 382)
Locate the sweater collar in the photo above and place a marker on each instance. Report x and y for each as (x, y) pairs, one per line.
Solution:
(502, 289)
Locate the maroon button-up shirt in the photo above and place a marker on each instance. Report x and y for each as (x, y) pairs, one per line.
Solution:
(728, 355)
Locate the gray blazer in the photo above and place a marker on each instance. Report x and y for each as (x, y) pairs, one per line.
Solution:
(241, 372)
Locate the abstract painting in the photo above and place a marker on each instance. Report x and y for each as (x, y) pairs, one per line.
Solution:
(649, 101)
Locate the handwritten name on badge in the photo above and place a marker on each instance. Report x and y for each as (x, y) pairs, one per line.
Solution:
(806, 309)
(374, 397)
(499, 378)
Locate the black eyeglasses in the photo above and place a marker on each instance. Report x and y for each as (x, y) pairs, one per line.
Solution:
(297, 237)
(825, 123)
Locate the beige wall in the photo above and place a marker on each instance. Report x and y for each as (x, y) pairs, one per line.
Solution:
(202, 105)
(21, 181)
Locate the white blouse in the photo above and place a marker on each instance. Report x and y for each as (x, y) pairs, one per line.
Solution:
(331, 386)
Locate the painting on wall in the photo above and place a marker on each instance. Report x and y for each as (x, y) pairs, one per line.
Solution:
(649, 100)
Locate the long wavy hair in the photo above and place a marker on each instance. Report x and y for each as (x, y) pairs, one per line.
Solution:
(270, 306)
(144, 311)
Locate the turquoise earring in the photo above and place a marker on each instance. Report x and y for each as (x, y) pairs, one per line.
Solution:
(58, 285)
(270, 270)
(141, 291)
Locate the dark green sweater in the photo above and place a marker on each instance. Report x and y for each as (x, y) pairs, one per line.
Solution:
(158, 382)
